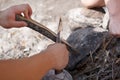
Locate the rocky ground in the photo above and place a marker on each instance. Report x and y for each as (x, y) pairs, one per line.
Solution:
(24, 42)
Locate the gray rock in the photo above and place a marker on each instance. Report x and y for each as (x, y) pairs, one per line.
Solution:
(64, 75)
(81, 17)
(86, 40)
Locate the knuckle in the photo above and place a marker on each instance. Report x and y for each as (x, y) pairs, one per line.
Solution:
(27, 5)
(13, 8)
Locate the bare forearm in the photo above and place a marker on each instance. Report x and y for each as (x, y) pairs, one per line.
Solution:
(44, 63)
(33, 68)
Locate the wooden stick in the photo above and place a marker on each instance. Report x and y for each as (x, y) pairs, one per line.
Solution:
(58, 40)
(44, 30)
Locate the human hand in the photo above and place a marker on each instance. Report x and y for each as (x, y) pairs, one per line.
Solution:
(7, 17)
(59, 54)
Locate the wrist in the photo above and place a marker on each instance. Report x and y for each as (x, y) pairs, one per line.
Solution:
(41, 63)
(50, 58)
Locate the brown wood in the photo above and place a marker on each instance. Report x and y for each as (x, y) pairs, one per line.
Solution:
(44, 30)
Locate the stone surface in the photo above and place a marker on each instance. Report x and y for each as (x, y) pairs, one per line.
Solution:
(86, 41)
(64, 75)
(79, 18)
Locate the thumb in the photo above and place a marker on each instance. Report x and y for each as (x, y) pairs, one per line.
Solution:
(19, 23)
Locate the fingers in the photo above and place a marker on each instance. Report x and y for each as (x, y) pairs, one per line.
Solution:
(26, 14)
(59, 55)
(8, 16)
(28, 11)
(19, 23)
(23, 8)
